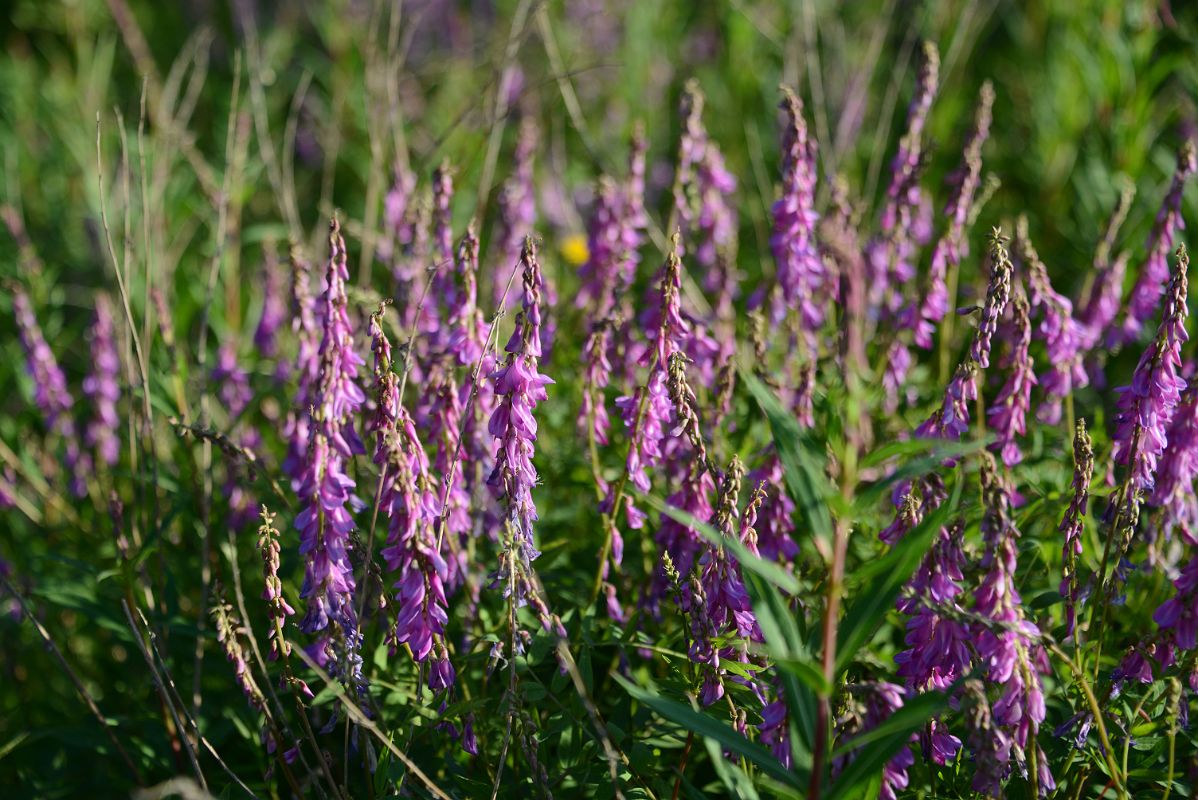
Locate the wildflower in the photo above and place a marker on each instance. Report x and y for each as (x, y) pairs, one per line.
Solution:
(1065, 338)
(1104, 300)
(938, 641)
(1155, 273)
(412, 552)
(1179, 614)
(951, 420)
(593, 421)
(277, 606)
(235, 396)
(325, 488)
(1072, 525)
(517, 204)
(869, 705)
(274, 308)
(102, 387)
(1008, 415)
(1178, 468)
(50, 392)
(228, 634)
(443, 287)
(519, 385)
(702, 184)
(443, 425)
(1008, 643)
(1146, 406)
(952, 245)
(801, 273)
(891, 256)
(774, 525)
(468, 330)
(306, 322)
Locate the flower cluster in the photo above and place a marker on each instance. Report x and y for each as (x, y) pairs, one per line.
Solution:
(519, 385)
(1146, 405)
(50, 392)
(1072, 525)
(952, 245)
(102, 387)
(1155, 272)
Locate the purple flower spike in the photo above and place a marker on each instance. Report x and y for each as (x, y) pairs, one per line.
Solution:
(412, 552)
(102, 387)
(869, 705)
(467, 328)
(892, 256)
(274, 307)
(1174, 491)
(703, 186)
(1146, 406)
(802, 277)
(1147, 291)
(1066, 340)
(519, 386)
(50, 392)
(951, 420)
(1007, 642)
(443, 288)
(517, 205)
(952, 245)
(1008, 415)
(1179, 614)
(593, 421)
(1073, 525)
(325, 488)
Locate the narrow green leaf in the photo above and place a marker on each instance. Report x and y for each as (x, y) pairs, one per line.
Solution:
(709, 727)
(803, 462)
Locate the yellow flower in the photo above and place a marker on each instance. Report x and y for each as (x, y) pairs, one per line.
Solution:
(574, 249)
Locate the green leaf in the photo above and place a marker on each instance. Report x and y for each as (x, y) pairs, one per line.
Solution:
(747, 560)
(885, 578)
(710, 728)
(878, 746)
(803, 463)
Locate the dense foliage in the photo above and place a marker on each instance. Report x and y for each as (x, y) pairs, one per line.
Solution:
(598, 400)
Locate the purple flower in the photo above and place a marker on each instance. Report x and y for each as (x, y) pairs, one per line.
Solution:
(1146, 406)
(1072, 525)
(703, 186)
(443, 289)
(869, 705)
(325, 488)
(517, 205)
(802, 277)
(891, 256)
(413, 553)
(1066, 340)
(519, 385)
(50, 392)
(1179, 614)
(951, 420)
(952, 245)
(1174, 491)
(1008, 415)
(774, 526)
(676, 539)
(444, 425)
(593, 421)
(1007, 643)
(938, 643)
(102, 387)
(467, 328)
(274, 308)
(306, 322)
(1147, 291)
